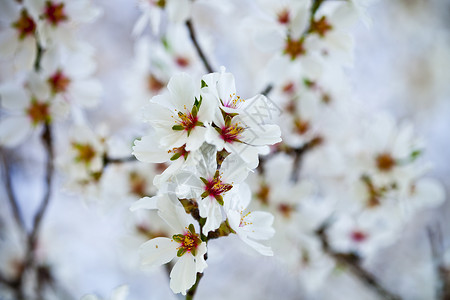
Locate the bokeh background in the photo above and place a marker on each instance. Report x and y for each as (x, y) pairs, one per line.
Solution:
(401, 64)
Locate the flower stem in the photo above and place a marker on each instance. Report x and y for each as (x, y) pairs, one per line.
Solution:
(191, 292)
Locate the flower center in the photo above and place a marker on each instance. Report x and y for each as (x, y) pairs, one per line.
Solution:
(358, 236)
(301, 126)
(38, 112)
(187, 121)
(153, 84)
(54, 13)
(160, 3)
(385, 162)
(189, 241)
(231, 133)
(58, 82)
(283, 16)
(233, 101)
(25, 25)
(86, 152)
(215, 187)
(182, 61)
(289, 88)
(263, 193)
(321, 27)
(138, 184)
(286, 209)
(294, 48)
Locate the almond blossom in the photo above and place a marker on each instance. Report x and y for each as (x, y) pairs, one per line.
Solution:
(186, 244)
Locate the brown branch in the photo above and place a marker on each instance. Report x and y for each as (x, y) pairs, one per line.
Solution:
(10, 192)
(108, 160)
(200, 52)
(443, 273)
(352, 263)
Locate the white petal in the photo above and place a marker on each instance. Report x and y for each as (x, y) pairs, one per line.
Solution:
(8, 42)
(90, 297)
(13, 97)
(120, 293)
(145, 203)
(14, 130)
(264, 250)
(259, 225)
(182, 90)
(183, 274)
(200, 263)
(196, 138)
(179, 11)
(86, 93)
(147, 150)
(140, 25)
(26, 54)
(158, 251)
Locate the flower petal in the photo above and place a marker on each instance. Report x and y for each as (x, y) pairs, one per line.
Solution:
(183, 274)
(158, 251)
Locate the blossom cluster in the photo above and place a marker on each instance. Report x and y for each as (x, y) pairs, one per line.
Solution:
(211, 140)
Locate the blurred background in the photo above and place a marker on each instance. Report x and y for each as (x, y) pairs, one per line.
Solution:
(401, 64)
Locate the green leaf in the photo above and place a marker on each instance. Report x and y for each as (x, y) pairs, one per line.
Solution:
(178, 238)
(181, 251)
(194, 251)
(219, 199)
(204, 194)
(204, 180)
(175, 156)
(191, 228)
(415, 154)
(194, 111)
(177, 127)
(204, 84)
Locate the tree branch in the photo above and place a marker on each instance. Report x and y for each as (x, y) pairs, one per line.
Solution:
(197, 47)
(10, 192)
(352, 263)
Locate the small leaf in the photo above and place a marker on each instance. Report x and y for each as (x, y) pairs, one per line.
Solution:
(204, 194)
(204, 180)
(177, 127)
(181, 251)
(204, 84)
(219, 199)
(175, 156)
(191, 228)
(178, 238)
(415, 154)
(194, 251)
(194, 111)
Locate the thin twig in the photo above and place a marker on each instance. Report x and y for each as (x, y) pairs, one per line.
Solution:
(108, 160)
(10, 192)
(352, 263)
(48, 144)
(437, 251)
(267, 90)
(197, 46)
(191, 292)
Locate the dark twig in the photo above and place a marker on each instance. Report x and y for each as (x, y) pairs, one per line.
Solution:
(437, 251)
(10, 191)
(267, 90)
(197, 46)
(191, 292)
(352, 263)
(108, 160)
(48, 144)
